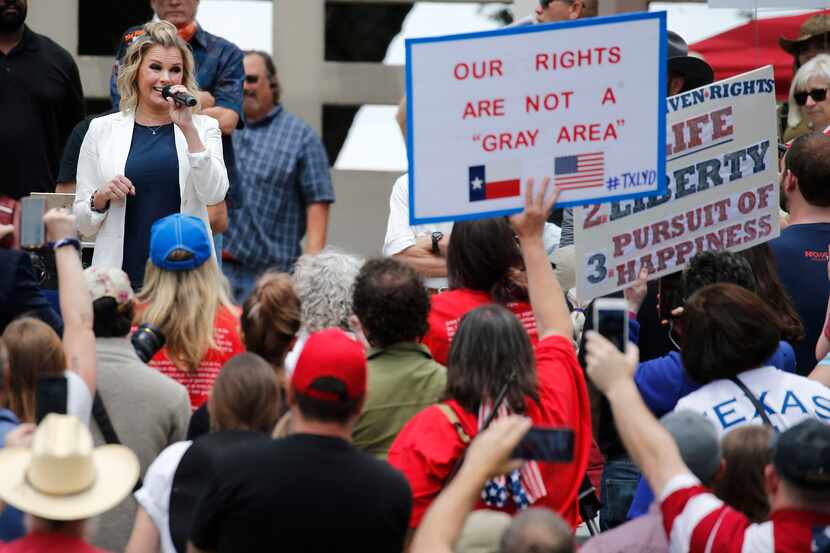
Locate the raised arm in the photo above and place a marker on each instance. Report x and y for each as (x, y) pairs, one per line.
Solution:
(649, 444)
(75, 301)
(488, 456)
(546, 296)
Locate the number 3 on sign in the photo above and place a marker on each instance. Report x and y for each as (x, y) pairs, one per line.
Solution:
(596, 268)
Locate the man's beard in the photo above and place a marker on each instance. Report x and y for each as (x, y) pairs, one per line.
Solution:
(12, 22)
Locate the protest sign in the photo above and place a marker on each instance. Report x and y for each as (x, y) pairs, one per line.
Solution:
(581, 102)
(722, 192)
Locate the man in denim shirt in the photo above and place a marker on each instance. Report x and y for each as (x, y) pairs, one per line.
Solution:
(284, 174)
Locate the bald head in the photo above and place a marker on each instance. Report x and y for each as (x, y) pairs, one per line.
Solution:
(564, 10)
(537, 531)
(590, 8)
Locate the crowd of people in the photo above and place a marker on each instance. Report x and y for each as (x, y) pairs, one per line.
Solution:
(207, 382)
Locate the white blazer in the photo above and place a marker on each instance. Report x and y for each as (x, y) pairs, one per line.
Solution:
(203, 179)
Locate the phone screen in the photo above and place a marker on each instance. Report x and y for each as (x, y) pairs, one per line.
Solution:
(546, 444)
(32, 231)
(50, 396)
(670, 295)
(613, 324)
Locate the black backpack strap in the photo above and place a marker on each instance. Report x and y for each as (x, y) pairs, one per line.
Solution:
(102, 419)
(755, 402)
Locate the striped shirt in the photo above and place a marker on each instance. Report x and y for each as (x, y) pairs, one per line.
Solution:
(698, 522)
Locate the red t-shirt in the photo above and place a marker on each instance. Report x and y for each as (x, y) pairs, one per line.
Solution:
(199, 382)
(449, 307)
(37, 542)
(696, 521)
(428, 447)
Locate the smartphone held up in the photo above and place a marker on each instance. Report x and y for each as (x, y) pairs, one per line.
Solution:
(611, 320)
(32, 229)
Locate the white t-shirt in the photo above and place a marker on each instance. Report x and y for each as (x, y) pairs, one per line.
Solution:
(400, 235)
(154, 495)
(788, 399)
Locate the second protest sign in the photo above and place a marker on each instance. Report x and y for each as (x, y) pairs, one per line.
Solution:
(722, 190)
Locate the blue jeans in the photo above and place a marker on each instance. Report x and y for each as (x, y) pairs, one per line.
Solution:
(242, 280)
(619, 482)
(217, 244)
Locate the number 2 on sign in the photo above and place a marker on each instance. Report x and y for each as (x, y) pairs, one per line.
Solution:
(597, 263)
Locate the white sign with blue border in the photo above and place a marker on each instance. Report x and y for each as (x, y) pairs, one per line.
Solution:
(755, 4)
(582, 102)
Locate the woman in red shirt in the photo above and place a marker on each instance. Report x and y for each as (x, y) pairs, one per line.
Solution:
(491, 352)
(484, 265)
(184, 298)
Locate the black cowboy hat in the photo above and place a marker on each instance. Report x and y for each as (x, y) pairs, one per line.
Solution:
(695, 71)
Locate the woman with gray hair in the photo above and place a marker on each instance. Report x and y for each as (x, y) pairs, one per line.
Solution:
(324, 283)
(808, 101)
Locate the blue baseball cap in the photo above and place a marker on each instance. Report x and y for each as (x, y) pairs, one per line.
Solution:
(179, 232)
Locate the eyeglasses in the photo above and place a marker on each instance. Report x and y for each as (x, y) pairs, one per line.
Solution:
(546, 3)
(817, 94)
(252, 79)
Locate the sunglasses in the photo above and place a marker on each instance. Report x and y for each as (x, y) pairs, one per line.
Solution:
(252, 79)
(817, 94)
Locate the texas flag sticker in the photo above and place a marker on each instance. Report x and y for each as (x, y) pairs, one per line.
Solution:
(497, 179)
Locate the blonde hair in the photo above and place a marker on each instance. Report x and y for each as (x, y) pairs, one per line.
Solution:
(183, 305)
(819, 66)
(156, 33)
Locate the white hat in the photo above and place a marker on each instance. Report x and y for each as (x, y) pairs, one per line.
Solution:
(565, 260)
(62, 477)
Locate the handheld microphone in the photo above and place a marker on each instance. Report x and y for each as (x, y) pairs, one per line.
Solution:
(181, 98)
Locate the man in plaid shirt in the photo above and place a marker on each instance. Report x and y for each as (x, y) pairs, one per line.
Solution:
(284, 175)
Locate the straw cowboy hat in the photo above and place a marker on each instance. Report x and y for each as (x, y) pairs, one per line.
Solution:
(63, 477)
(817, 25)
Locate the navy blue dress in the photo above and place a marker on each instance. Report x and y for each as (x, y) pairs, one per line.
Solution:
(153, 168)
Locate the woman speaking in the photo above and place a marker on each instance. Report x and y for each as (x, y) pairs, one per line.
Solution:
(152, 159)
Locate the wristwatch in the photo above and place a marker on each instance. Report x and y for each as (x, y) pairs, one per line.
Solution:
(436, 237)
(74, 242)
(92, 204)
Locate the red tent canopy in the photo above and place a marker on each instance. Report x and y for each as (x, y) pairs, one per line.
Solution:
(753, 45)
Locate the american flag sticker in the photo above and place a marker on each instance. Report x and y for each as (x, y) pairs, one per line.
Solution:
(579, 171)
(497, 179)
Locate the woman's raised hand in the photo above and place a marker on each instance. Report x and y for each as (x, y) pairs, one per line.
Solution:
(181, 115)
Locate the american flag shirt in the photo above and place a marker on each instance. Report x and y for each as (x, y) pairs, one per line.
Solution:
(698, 522)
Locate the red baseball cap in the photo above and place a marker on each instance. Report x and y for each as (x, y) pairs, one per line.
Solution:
(331, 353)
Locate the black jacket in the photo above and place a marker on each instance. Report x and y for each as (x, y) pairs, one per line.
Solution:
(20, 293)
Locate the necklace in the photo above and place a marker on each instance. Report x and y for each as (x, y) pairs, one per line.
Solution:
(153, 129)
